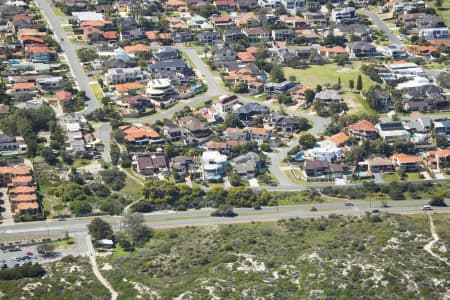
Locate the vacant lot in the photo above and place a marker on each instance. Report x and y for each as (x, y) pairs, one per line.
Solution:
(70, 278)
(328, 74)
(376, 257)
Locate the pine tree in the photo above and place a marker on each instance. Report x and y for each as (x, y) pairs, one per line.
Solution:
(351, 84)
(359, 84)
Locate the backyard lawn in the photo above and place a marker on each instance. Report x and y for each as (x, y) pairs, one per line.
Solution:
(391, 177)
(328, 74)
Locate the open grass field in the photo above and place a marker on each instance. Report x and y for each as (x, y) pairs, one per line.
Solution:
(98, 92)
(370, 257)
(328, 74)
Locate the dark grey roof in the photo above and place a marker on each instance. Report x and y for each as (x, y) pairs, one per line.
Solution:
(391, 126)
(252, 107)
(168, 63)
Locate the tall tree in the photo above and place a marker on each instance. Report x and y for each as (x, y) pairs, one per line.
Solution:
(136, 230)
(277, 74)
(351, 84)
(100, 229)
(359, 83)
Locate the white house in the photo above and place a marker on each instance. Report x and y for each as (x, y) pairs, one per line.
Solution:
(122, 75)
(325, 150)
(213, 165)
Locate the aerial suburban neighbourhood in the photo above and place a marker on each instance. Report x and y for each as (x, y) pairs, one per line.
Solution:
(131, 132)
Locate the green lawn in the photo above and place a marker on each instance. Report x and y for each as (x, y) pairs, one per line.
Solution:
(444, 12)
(358, 104)
(390, 177)
(98, 92)
(328, 74)
(67, 29)
(412, 176)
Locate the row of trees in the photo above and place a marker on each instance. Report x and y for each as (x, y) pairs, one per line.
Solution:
(163, 194)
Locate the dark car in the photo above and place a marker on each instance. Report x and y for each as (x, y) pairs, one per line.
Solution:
(375, 211)
(4, 266)
(349, 204)
(15, 248)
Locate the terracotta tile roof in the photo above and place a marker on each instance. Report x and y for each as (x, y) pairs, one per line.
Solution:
(223, 19)
(27, 205)
(234, 130)
(165, 36)
(176, 3)
(136, 48)
(216, 145)
(403, 158)
(22, 190)
(124, 87)
(30, 32)
(224, 2)
(420, 49)
(23, 198)
(253, 50)
(25, 38)
(362, 125)
(38, 49)
(246, 57)
(24, 86)
(133, 133)
(22, 17)
(437, 42)
(22, 179)
(63, 96)
(89, 30)
(339, 138)
(95, 23)
(243, 19)
(335, 49)
(439, 153)
(296, 19)
(152, 35)
(16, 170)
(110, 35)
(257, 131)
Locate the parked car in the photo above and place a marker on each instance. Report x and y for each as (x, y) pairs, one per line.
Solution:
(349, 204)
(15, 258)
(4, 266)
(427, 207)
(15, 248)
(61, 219)
(29, 254)
(375, 211)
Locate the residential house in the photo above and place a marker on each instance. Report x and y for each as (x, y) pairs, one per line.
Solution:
(122, 75)
(250, 110)
(256, 34)
(150, 163)
(39, 53)
(222, 147)
(223, 53)
(442, 127)
(196, 127)
(246, 5)
(419, 125)
(332, 52)
(49, 83)
(282, 34)
(184, 165)
(293, 21)
(316, 19)
(225, 104)
(259, 134)
(172, 131)
(280, 122)
(161, 92)
(292, 6)
(343, 15)
(11, 145)
(213, 165)
(224, 5)
(362, 130)
(165, 53)
(329, 95)
(209, 37)
(237, 134)
(423, 98)
(123, 88)
(247, 165)
(379, 165)
(315, 168)
(182, 37)
(325, 150)
(391, 132)
(140, 134)
(361, 49)
(340, 139)
(222, 22)
(406, 162)
(438, 159)
(64, 97)
(272, 88)
(232, 35)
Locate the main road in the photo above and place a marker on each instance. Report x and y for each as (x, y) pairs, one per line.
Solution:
(71, 55)
(202, 217)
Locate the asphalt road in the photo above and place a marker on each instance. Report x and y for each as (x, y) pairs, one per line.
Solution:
(383, 27)
(202, 217)
(71, 55)
(104, 134)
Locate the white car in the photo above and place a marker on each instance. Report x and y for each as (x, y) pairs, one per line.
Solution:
(16, 258)
(427, 207)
